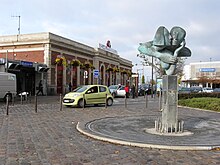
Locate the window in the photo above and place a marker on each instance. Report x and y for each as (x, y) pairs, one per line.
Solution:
(93, 90)
(102, 89)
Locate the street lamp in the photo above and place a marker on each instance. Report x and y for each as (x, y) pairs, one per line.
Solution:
(19, 22)
(6, 59)
(152, 77)
(139, 77)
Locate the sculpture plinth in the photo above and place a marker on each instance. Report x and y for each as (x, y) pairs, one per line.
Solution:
(169, 122)
(169, 101)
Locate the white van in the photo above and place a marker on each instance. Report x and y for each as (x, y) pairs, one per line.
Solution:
(7, 85)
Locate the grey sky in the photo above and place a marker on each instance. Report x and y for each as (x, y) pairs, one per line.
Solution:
(125, 23)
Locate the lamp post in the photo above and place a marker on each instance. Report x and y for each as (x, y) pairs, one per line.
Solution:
(152, 77)
(6, 60)
(139, 77)
(19, 23)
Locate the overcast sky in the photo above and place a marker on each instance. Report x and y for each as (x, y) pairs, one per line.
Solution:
(125, 23)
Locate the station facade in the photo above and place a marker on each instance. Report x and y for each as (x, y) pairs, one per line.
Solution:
(59, 61)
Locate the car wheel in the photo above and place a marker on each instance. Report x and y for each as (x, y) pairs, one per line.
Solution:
(113, 95)
(109, 102)
(81, 103)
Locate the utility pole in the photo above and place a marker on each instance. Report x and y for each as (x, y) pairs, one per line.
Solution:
(19, 23)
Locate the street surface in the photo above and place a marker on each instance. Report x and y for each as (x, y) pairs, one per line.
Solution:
(49, 137)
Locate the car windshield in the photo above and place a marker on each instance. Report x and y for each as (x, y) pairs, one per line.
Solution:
(74, 90)
(113, 87)
(81, 89)
(208, 88)
(184, 89)
(216, 90)
(196, 88)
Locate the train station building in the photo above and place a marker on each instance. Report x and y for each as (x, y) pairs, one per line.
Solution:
(59, 61)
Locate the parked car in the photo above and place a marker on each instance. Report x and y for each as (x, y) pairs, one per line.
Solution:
(120, 92)
(184, 90)
(117, 90)
(196, 89)
(92, 94)
(143, 89)
(207, 90)
(216, 90)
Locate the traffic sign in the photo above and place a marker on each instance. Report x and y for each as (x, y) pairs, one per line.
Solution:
(96, 73)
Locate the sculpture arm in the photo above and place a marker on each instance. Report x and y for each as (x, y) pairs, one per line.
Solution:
(150, 50)
(172, 67)
(176, 52)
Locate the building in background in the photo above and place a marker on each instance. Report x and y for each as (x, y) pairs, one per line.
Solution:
(204, 74)
(58, 61)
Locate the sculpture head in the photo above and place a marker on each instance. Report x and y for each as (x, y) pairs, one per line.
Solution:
(177, 35)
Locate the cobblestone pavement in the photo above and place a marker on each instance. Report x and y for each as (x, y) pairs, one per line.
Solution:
(49, 137)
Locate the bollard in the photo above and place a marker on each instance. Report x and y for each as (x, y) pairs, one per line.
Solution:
(167, 128)
(30, 97)
(171, 128)
(26, 97)
(61, 107)
(175, 127)
(155, 125)
(125, 101)
(146, 101)
(7, 105)
(35, 103)
(160, 100)
(83, 101)
(21, 99)
(106, 100)
(13, 100)
(182, 123)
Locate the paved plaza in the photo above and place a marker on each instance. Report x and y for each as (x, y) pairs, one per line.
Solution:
(50, 137)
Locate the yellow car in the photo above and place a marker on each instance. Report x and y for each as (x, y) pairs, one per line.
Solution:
(92, 94)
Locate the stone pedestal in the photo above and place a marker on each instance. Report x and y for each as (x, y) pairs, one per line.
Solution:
(169, 122)
(169, 118)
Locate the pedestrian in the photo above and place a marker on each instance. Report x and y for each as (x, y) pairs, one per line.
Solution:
(133, 91)
(40, 88)
(70, 87)
(127, 91)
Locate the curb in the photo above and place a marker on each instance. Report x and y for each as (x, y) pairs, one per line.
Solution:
(144, 145)
(198, 109)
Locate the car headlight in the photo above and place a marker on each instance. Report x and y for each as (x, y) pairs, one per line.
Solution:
(75, 95)
(72, 95)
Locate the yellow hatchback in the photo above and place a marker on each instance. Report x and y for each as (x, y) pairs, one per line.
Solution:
(92, 94)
